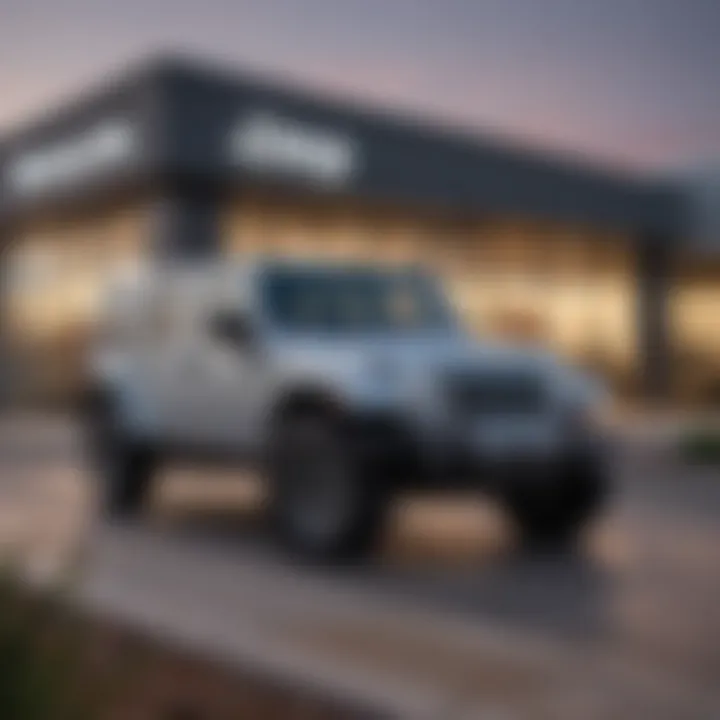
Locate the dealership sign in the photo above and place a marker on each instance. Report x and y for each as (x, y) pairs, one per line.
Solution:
(267, 143)
(104, 146)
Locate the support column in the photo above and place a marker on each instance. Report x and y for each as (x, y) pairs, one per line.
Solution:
(655, 341)
(186, 224)
(5, 353)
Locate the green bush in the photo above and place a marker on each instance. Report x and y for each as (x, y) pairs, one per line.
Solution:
(701, 446)
(43, 658)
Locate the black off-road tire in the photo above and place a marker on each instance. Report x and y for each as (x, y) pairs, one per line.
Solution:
(312, 460)
(124, 467)
(552, 510)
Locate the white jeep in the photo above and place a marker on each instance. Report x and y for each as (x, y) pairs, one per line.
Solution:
(343, 384)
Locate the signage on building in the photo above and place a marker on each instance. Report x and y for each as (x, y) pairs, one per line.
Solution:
(265, 142)
(106, 145)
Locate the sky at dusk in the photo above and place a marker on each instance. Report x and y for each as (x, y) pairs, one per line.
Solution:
(630, 83)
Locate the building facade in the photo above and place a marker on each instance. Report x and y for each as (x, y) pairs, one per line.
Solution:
(176, 160)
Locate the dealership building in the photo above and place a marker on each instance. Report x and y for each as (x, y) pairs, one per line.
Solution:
(177, 160)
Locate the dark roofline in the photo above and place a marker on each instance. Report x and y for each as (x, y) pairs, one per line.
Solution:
(487, 140)
(124, 80)
(472, 168)
(157, 67)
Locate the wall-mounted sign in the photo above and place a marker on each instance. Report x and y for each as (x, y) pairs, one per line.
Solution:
(62, 162)
(267, 143)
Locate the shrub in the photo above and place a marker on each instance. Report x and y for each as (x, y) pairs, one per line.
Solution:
(701, 446)
(43, 659)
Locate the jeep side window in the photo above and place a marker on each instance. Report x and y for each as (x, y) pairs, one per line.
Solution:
(354, 300)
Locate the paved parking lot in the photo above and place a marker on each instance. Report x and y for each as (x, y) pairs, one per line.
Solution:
(452, 621)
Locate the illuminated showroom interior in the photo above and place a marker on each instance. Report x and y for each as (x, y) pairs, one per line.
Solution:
(177, 160)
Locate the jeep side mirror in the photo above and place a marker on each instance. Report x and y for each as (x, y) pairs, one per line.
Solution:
(232, 327)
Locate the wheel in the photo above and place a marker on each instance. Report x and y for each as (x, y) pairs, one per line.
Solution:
(123, 465)
(552, 509)
(325, 505)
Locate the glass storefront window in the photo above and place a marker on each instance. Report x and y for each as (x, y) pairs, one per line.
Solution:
(569, 288)
(56, 273)
(694, 321)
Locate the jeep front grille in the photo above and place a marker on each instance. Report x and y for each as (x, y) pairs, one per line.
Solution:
(495, 393)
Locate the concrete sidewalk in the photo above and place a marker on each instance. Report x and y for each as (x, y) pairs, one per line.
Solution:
(449, 623)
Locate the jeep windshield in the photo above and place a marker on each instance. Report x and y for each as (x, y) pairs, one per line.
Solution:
(354, 300)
